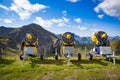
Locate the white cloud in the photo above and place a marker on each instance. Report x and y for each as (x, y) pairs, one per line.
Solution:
(78, 20)
(42, 22)
(96, 9)
(4, 7)
(100, 16)
(8, 20)
(82, 28)
(61, 22)
(109, 7)
(73, 1)
(58, 22)
(24, 8)
(64, 13)
(95, 30)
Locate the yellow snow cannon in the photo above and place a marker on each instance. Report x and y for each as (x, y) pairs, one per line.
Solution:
(29, 46)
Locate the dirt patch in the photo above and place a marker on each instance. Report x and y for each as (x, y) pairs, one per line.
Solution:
(110, 75)
(72, 76)
(48, 75)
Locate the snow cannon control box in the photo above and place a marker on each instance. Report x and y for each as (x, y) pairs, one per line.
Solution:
(103, 50)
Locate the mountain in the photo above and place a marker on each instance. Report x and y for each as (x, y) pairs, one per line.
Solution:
(113, 38)
(87, 40)
(5, 30)
(6, 47)
(46, 39)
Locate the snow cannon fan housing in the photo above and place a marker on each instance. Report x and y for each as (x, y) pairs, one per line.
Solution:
(31, 39)
(100, 38)
(68, 39)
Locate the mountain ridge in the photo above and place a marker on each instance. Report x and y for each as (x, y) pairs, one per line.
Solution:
(87, 40)
(46, 38)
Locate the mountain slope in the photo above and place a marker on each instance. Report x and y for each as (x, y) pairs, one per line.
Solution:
(116, 46)
(5, 30)
(7, 45)
(46, 38)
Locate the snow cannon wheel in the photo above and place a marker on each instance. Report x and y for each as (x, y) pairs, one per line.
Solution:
(109, 59)
(90, 56)
(79, 56)
(21, 58)
(56, 57)
(41, 57)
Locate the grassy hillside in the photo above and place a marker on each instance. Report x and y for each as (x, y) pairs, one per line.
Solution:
(7, 46)
(34, 69)
(116, 46)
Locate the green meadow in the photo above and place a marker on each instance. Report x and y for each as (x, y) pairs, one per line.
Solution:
(11, 68)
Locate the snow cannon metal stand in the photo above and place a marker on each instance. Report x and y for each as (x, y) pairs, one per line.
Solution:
(0, 53)
(102, 46)
(67, 46)
(29, 46)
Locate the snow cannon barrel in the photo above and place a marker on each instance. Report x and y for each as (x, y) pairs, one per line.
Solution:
(31, 39)
(68, 39)
(100, 38)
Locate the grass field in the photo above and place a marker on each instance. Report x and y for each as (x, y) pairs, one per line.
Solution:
(34, 69)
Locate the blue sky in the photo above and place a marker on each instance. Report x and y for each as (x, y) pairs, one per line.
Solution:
(82, 17)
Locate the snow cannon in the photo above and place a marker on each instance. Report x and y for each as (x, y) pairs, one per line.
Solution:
(66, 46)
(102, 46)
(29, 45)
(100, 38)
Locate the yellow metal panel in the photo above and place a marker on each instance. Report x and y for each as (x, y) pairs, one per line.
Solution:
(35, 43)
(104, 35)
(62, 49)
(64, 43)
(35, 50)
(94, 39)
(26, 43)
